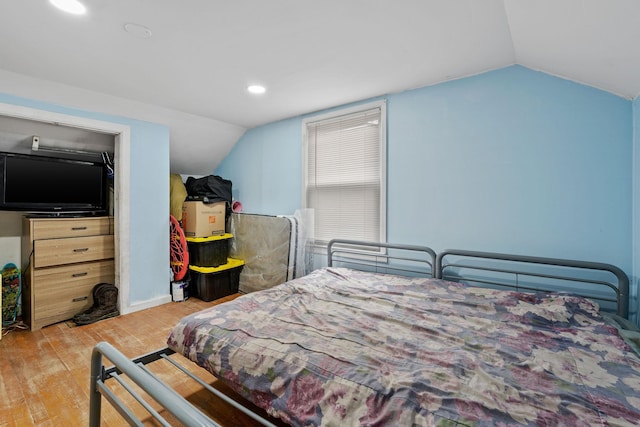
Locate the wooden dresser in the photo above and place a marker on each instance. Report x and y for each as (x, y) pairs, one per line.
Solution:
(67, 257)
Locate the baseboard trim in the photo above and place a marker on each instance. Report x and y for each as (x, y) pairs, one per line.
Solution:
(148, 304)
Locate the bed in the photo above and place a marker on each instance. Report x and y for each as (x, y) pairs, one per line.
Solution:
(410, 337)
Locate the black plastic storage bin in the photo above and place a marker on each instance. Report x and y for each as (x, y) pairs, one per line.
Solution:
(211, 283)
(209, 251)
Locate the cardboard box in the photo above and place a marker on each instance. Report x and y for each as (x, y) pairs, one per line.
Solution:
(203, 220)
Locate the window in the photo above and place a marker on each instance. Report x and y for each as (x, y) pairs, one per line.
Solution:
(345, 173)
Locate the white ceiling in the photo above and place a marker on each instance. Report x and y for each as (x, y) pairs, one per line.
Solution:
(309, 54)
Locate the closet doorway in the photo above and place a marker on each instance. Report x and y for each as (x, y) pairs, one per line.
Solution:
(121, 135)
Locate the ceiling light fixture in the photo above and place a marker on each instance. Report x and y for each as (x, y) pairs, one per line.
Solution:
(70, 6)
(256, 89)
(138, 30)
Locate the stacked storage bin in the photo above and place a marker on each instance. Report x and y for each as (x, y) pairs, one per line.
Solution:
(213, 274)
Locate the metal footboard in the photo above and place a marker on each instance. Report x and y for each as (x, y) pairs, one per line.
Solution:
(137, 372)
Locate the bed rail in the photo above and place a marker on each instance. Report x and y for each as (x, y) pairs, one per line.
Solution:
(527, 272)
(382, 257)
(138, 373)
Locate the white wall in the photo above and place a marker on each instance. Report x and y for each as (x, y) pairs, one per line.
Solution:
(10, 232)
(198, 143)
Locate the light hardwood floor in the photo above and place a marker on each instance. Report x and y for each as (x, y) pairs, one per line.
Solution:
(44, 375)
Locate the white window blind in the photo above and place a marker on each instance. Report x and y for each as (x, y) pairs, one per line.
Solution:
(345, 175)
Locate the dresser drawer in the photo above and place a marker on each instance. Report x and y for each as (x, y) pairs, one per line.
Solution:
(68, 257)
(71, 250)
(71, 227)
(61, 292)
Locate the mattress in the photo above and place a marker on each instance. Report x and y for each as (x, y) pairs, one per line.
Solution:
(268, 246)
(345, 347)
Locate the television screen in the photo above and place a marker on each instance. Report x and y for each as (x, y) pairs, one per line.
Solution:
(51, 184)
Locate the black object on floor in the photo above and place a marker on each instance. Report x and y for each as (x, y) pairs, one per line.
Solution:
(105, 305)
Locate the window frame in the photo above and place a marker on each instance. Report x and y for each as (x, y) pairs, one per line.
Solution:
(319, 245)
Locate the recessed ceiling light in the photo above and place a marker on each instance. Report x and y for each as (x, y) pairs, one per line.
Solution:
(138, 30)
(70, 6)
(256, 89)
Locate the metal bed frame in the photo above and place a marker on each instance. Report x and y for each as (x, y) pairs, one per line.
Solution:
(520, 267)
(382, 257)
(489, 269)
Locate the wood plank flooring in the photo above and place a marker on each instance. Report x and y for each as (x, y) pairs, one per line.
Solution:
(44, 375)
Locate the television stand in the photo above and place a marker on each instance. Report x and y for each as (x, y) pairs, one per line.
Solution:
(88, 214)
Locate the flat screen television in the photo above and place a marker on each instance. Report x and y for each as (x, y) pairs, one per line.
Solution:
(52, 185)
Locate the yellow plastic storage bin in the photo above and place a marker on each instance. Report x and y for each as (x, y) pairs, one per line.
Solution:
(209, 251)
(211, 283)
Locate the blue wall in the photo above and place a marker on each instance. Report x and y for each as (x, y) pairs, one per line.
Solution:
(266, 168)
(512, 160)
(149, 215)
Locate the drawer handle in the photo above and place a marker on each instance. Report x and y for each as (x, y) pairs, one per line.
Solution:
(78, 228)
(80, 299)
(79, 274)
(81, 250)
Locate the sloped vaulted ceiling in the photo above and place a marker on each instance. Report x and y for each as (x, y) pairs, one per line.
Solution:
(191, 74)
(593, 42)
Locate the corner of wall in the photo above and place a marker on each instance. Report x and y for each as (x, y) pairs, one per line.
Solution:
(635, 226)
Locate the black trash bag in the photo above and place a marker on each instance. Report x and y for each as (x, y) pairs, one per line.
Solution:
(209, 189)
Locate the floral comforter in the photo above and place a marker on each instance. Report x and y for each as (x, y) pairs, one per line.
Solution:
(341, 347)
